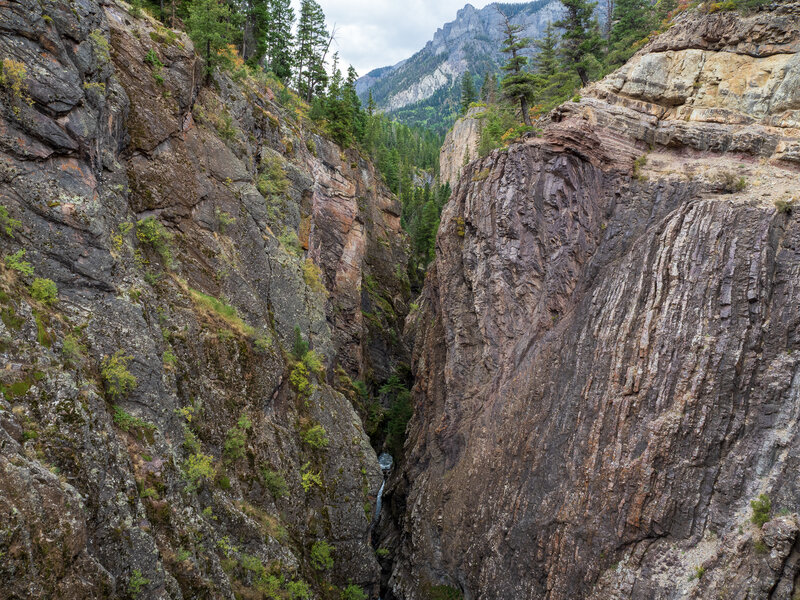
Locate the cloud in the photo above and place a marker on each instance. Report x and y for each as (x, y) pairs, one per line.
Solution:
(377, 33)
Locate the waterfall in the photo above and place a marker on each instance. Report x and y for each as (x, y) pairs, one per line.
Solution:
(378, 502)
(385, 460)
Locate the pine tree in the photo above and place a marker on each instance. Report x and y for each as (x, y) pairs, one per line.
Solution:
(313, 42)
(351, 97)
(581, 43)
(208, 25)
(371, 104)
(517, 85)
(279, 39)
(468, 93)
(664, 8)
(545, 62)
(633, 20)
(255, 15)
(489, 89)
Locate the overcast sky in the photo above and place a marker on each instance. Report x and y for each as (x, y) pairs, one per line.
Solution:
(377, 33)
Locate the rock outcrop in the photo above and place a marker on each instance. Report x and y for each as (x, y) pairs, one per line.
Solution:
(606, 349)
(460, 146)
(159, 437)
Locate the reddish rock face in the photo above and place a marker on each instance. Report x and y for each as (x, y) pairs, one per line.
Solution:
(606, 353)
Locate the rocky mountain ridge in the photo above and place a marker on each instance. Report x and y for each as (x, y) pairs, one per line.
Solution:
(605, 352)
(161, 434)
(471, 42)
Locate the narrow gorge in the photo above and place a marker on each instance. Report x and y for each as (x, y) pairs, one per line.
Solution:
(207, 317)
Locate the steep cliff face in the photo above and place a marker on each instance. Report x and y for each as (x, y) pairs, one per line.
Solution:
(606, 351)
(158, 438)
(460, 146)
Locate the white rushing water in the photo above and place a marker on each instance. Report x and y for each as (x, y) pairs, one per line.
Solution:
(385, 460)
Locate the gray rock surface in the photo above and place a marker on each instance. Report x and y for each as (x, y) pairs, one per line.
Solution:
(172, 488)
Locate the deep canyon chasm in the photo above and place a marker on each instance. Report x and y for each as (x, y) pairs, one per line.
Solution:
(604, 354)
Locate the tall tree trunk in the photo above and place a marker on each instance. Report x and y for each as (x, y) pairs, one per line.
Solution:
(526, 111)
(583, 75)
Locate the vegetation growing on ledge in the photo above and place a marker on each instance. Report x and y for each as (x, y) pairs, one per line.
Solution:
(118, 379)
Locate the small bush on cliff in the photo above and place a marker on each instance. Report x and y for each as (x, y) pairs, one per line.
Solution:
(321, 558)
(7, 223)
(738, 5)
(353, 592)
(136, 583)
(12, 81)
(308, 478)
(235, 440)
(197, 470)
(313, 362)
(274, 482)
(315, 436)
(784, 206)
(300, 346)
(761, 506)
(44, 290)
(299, 380)
(312, 275)
(272, 181)
(17, 262)
(153, 233)
(223, 310)
(118, 379)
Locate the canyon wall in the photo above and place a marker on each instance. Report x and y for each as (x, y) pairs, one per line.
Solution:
(606, 348)
(159, 435)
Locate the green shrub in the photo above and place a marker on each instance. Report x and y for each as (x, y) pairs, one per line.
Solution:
(7, 223)
(169, 358)
(235, 440)
(761, 509)
(300, 346)
(150, 231)
(128, 422)
(298, 590)
(44, 290)
(224, 220)
(308, 478)
(353, 592)
(227, 312)
(315, 436)
(321, 558)
(299, 380)
(290, 242)
(312, 275)
(12, 80)
(100, 45)
(198, 469)
(784, 206)
(72, 350)
(313, 362)
(272, 181)
(152, 59)
(136, 583)
(253, 564)
(18, 263)
(382, 552)
(274, 482)
(119, 381)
